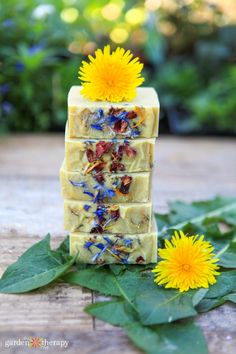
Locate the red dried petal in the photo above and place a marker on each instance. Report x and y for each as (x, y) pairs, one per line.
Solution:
(99, 177)
(126, 179)
(116, 166)
(120, 152)
(131, 115)
(102, 147)
(99, 167)
(120, 126)
(115, 214)
(114, 111)
(125, 184)
(130, 152)
(140, 259)
(97, 230)
(90, 155)
(117, 155)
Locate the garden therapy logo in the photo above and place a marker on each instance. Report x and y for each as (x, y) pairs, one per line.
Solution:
(35, 342)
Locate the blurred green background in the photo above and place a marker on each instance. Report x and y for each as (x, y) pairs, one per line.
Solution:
(188, 48)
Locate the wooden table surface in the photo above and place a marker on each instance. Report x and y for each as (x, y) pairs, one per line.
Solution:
(30, 206)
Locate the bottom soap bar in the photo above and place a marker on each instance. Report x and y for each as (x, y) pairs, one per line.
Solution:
(109, 248)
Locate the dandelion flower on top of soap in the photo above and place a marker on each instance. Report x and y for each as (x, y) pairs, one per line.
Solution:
(187, 262)
(111, 76)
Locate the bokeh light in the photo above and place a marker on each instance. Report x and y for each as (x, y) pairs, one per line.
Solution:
(167, 28)
(111, 11)
(74, 47)
(136, 16)
(69, 14)
(139, 36)
(119, 35)
(152, 5)
(89, 48)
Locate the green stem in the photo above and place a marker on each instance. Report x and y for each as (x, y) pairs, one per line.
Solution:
(218, 254)
(170, 299)
(125, 296)
(198, 219)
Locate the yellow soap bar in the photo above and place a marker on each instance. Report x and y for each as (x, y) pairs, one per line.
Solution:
(108, 248)
(138, 118)
(105, 187)
(129, 218)
(110, 155)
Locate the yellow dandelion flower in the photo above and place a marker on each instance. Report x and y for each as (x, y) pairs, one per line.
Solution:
(188, 263)
(111, 76)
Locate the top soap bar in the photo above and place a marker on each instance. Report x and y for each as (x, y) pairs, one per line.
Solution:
(100, 119)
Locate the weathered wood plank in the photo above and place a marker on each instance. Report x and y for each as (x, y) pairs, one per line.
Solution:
(58, 306)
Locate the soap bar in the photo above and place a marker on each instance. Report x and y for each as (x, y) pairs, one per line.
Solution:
(105, 187)
(112, 156)
(97, 119)
(126, 218)
(108, 248)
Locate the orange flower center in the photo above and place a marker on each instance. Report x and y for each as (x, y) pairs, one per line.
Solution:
(186, 267)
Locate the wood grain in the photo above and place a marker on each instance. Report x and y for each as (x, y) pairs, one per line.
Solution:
(31, 205)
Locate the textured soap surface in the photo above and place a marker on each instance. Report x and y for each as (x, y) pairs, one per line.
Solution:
(129, 218)
(105, 187)
(119, 155)
(108, 248)
(136, 119)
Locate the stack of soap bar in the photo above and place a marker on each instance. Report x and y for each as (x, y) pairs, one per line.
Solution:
(105, 178)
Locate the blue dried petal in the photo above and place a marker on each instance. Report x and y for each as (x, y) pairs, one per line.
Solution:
(99, 113)
(88, 244)
(124, 260)
(99, 254)
(78, 184)
(100, 245)
(87, 207)
(101, 121)
(135, 133)
(127, 242)
(98, 186)
(100, 211)
(122, 117)
(108, 240)
(102, 207)
(97, 127)
(115, 183)
(95, 257)
(89, 141)
(115, 251)
(111, 120)
(104, 249)
(110, 193)
(96, 199)
(88, 193)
